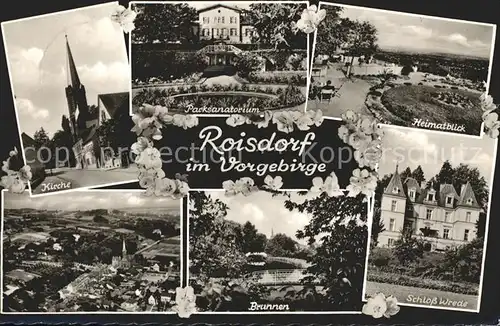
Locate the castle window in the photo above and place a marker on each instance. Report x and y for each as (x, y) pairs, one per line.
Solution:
(466, 235)
(224, 31)
(205, 32)
(467, 217)
(222, 18)
(428, 214)
(394, 205)
(412, 194)
(216, 32)
(233, 32)
(446, 233)
(430, 197)
(449, 200)
(390, 242)
(395, 190)
(232, 20)
(206, 20)
(447, 216)
(469, 201)
(392, 224)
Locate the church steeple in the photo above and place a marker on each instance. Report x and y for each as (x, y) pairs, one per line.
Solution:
(124, 249)
(72, 73)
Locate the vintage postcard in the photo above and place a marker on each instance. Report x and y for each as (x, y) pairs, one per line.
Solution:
(405, 69)
(98, 251)
(430, 222)
(219, 57)
(69, 74)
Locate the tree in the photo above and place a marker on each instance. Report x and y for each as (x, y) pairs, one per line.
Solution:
(360, 39)
(446, 173)
(418, 174)
(249, 233)
(45, 147)
(62, 141)
(273, 23)
(165, 23)
(212, 240)
(377, 225)
(406, 70)
(408, 248)
(329, 36)
(406, 174)
(465, 262)
(338, 228)
(281, 245)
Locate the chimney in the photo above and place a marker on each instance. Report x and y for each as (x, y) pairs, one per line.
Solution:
(462, 189)
(422, 185)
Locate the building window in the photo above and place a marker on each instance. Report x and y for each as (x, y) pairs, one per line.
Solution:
(412, 194)
(248, 32)
(232, 20)
(395, 190)
(216, 32)
(469, 201)
(224, 31)
(446, 233)
(430, 197)
(206, 20)
(394, 205)
(390, 242)
(428, 214)
(233, 32)
(222, 19)
(466, 235)
(392, 224)
(447, 216)
(467, 217)
(205, 32)
(449, 200)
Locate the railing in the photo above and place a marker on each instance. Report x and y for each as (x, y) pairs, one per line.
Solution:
(213, 48)
(279, 276)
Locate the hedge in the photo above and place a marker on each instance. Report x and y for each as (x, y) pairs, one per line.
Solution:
(423, 283)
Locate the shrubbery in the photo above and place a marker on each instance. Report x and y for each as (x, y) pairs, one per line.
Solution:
(297, 79)
(404, 280)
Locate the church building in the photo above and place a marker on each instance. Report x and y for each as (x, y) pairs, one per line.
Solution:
(85, 120)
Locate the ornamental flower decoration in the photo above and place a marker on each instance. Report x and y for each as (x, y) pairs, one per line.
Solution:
(124, 17)
(310, 19)
(362, 181)
(330, 185)
(285, 121)
(244, 185)
(15, 181)
(490, 117)
(365, 135)
(273, 183)
(379, 305)
(185, 301)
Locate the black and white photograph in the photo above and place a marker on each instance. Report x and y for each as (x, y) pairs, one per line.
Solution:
(430, 221)
(219, 57)
(404, 69)
(70, 78)
(272, 253)
(60, 254)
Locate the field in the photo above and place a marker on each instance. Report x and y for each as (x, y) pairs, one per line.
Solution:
(402, 292)
(419, 102)
(31, 237)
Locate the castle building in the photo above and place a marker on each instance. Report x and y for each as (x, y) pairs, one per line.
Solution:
(444, 217)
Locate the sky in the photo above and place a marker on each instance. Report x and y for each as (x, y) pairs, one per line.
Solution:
(413, 147)
(79, 200)
(36, 55)
(425, 33)
(267, 213)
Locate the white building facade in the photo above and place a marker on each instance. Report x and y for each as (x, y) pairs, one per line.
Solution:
(444, 218)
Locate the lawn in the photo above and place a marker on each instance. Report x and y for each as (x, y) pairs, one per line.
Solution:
(410, 102)
(404, 295)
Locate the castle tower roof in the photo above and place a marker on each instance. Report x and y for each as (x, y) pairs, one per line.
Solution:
(466, 194)
(395, 186)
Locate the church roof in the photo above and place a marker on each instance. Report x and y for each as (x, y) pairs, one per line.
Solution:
(395, 183)
(112, 102)
(73, 73)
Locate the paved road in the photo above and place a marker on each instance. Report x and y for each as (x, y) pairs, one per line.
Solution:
(87, 178)
(352, 95)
